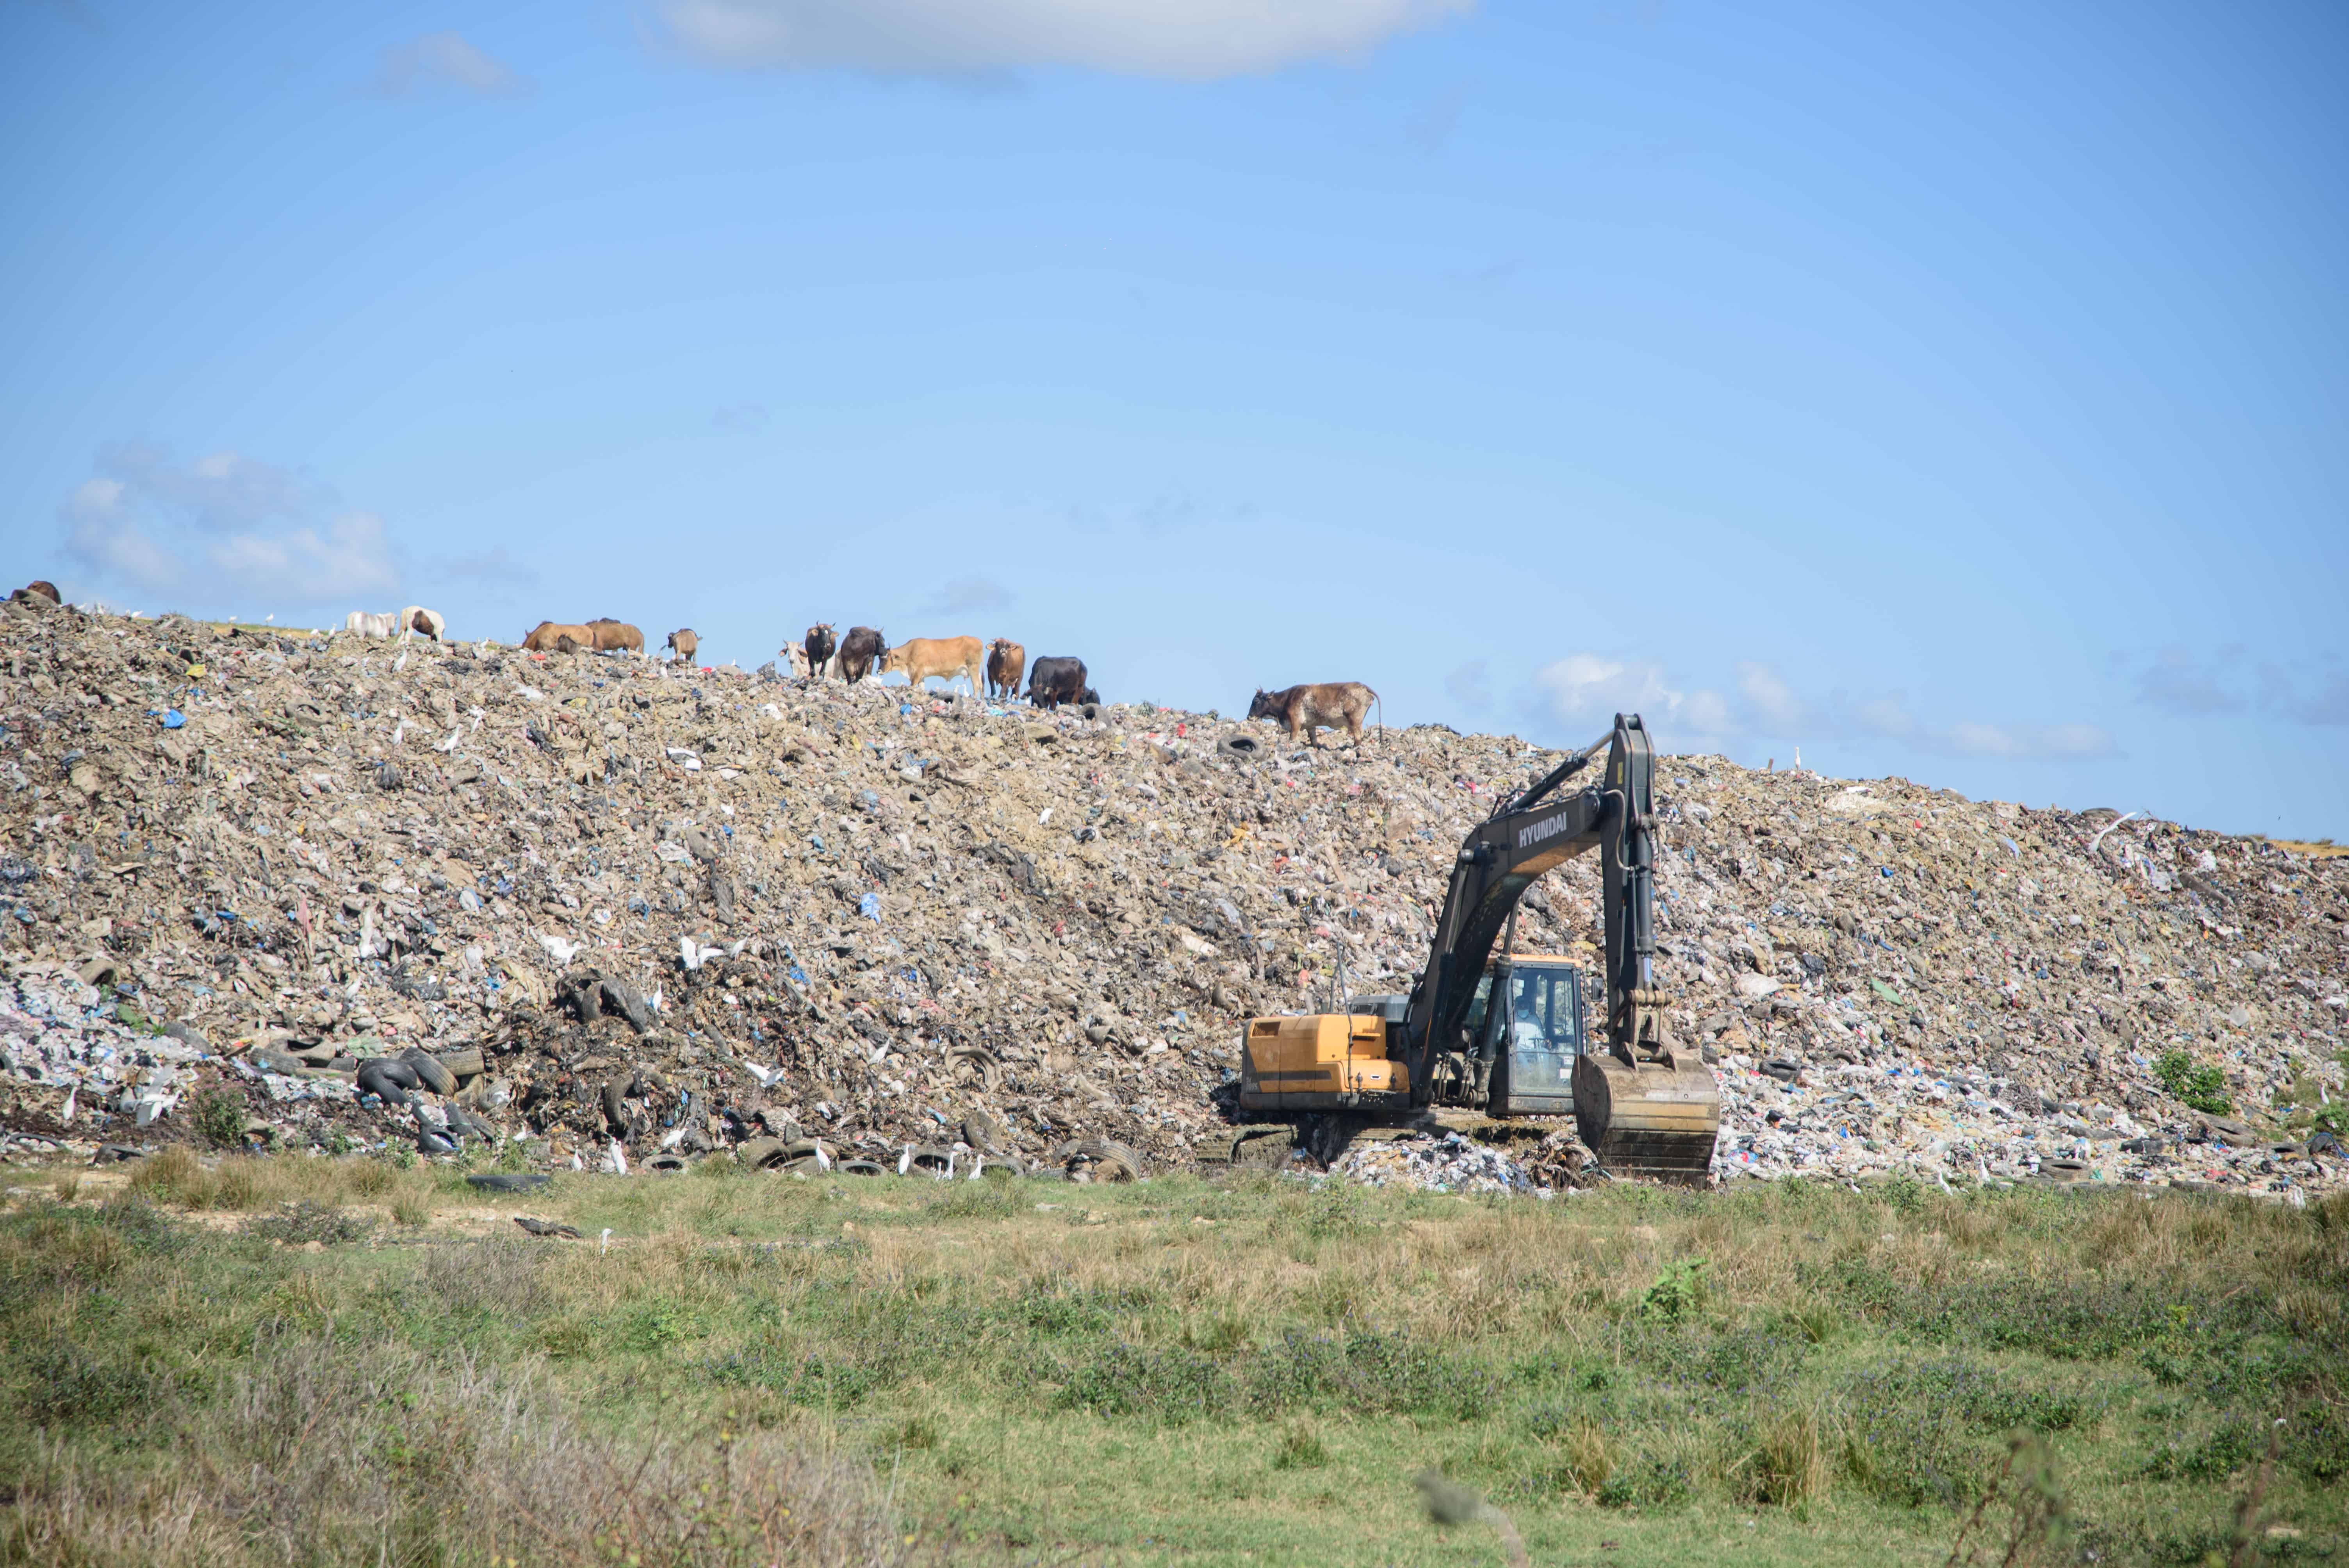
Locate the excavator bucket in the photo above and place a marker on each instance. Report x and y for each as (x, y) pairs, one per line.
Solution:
(1656, 1119)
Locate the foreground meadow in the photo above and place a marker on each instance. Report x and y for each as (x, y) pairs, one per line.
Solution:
(317, 1361)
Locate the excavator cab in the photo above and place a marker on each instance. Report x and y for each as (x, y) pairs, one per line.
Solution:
(1532, 1035)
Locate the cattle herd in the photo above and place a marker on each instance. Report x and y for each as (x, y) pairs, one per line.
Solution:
(994, 668)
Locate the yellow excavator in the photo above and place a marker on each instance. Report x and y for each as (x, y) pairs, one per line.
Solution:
(1494, 1030)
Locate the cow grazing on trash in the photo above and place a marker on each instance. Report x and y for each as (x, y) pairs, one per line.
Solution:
(819, 648)
(371, 625)
(919, 659)
(860, 651)
(1307, 710)
(416, 621)
(1006, 661)
(684, 644)
(1089, 697)
(795, 658)
(542, 638)
(1056, 680)
(616, 636)
(39, 588)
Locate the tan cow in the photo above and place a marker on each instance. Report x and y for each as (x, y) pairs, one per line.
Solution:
(543, 636)
(684, 644)
(617, 635)
(1006, 661)
(923, 657)
(1307, 709)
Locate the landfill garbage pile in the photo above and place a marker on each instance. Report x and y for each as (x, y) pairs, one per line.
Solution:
(629, 913)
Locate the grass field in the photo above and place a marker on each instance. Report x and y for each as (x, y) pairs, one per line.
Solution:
(292, 1360)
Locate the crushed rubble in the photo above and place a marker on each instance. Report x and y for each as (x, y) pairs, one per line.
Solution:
(630, 913)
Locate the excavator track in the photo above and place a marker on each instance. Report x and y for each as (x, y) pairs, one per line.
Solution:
(1653, 1118)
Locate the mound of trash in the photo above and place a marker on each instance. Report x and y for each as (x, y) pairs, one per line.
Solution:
(629, 913)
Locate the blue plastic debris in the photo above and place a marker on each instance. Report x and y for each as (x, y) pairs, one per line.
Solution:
(869, 906)
(173, 718)
(799, 974)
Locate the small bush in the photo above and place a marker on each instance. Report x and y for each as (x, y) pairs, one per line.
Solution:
(2196, 1088)
(218, 1115)
(1679, 1292)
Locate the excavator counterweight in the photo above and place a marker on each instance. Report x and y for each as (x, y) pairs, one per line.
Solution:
(1491, 1029)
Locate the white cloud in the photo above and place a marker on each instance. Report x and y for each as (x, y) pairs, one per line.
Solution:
(351, 559)
(223, 524)
(1586, 691)
(1186, 39)
(445, 62)
(1582, 693)
(1770, 701)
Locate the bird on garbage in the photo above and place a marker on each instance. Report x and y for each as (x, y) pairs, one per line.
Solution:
(549, 1228)
(906, 1160)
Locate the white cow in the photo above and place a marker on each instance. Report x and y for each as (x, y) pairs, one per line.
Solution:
(369, 626)
(797, 659)
(417, 619)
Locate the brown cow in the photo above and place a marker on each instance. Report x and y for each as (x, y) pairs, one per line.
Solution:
(1307, 709)
(612, 635)
(543, 636)
(684, 644)
(1006, 661)
(39, 588)
(818, 647)
(919, 659)
(860, 651)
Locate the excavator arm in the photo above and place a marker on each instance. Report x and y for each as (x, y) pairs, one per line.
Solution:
(1640, 1104)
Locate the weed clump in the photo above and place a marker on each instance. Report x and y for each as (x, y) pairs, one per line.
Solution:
(2198, 1088)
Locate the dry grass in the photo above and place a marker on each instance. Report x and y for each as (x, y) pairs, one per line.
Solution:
(177, 1176)
(322, 1454)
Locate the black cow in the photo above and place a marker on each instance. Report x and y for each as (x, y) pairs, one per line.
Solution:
(860, 651)
(819, 644)
(1052, 682)
(1089, 695)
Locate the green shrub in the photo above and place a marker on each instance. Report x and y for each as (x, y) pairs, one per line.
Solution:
(1679, 1292)
(218, 1116)
(2196, 1088)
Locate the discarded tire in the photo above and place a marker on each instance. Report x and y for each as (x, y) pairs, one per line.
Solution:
(429, 1073)
(389, 1079)
(666, 1164)
(860, 1168)
(1240, 747)
(762, 1154)
(1102, 1159)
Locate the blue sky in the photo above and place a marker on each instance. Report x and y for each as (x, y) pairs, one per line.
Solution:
(1960, 393)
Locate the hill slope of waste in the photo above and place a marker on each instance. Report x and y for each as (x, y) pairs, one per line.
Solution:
(619, 912)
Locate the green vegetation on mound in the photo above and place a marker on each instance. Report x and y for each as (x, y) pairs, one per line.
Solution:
(296, 1361)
